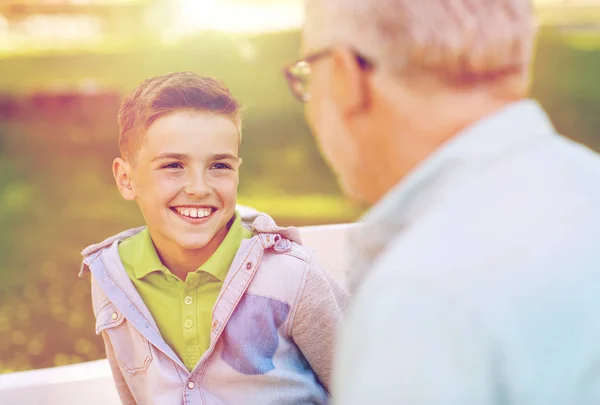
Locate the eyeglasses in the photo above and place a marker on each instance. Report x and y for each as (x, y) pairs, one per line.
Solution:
(298, 73)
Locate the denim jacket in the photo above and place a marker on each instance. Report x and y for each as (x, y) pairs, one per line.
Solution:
(272, 336)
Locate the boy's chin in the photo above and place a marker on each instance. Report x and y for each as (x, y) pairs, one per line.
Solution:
(196, 243)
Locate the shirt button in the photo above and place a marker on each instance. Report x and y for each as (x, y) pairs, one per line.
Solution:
(114, 316)
(249, 266)
(188, 323)
(191, 385)
(188, 300)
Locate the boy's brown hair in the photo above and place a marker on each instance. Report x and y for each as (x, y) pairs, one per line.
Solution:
(162, 95)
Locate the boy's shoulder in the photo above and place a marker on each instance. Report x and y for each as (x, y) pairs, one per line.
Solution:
(96, 247)
(280, 240)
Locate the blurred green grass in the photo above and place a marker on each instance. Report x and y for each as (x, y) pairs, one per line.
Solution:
(56, 145)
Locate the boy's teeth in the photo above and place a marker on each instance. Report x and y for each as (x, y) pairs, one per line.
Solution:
(194, 212)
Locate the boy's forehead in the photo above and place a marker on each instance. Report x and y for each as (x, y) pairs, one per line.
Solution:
(193, 122)
(175, 151)
(191, 134)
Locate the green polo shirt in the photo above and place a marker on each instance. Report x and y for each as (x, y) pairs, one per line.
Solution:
(182, 310)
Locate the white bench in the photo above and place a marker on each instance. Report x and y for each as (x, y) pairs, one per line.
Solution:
(91, 383)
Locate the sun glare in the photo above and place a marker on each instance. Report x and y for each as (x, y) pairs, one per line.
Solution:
(195, 15)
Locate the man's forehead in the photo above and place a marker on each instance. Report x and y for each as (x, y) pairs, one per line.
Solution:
(313, 40)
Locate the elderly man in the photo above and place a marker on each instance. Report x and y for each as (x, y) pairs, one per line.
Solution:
(477, 272)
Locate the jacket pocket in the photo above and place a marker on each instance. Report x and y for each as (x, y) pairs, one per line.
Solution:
(132, 350)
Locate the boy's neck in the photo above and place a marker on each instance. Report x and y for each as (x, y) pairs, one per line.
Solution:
(181, 261)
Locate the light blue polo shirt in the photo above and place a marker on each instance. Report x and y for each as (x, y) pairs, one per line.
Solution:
(478, 277)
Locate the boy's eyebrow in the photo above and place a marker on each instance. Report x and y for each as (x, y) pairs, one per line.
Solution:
(221, 156)
(181, 156)
(168, 155)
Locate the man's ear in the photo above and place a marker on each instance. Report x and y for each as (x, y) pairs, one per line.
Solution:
(122, 175)
(349, 82)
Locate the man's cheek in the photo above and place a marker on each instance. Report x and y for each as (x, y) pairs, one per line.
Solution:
(309, 114)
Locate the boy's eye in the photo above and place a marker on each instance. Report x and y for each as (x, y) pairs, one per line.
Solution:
(221, 166)
(173, 165)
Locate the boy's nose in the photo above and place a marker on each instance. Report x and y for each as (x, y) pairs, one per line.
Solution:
(197, 185)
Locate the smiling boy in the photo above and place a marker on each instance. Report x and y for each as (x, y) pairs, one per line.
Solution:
(200, 306)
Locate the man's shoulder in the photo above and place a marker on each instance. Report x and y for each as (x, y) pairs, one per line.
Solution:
(507, 263)
(517, 295)
(489, 230)
(530, 196)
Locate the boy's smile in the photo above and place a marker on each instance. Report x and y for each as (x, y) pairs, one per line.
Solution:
(184, 179)
(193, 213)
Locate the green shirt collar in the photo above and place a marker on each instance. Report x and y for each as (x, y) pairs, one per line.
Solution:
(140, 253)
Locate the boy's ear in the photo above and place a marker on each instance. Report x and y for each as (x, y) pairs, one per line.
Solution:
(240, 161)
(122, 174)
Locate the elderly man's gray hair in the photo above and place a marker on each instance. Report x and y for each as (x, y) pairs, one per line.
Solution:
(458, 39)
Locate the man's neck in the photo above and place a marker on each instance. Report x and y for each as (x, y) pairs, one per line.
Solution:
(401, 153)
